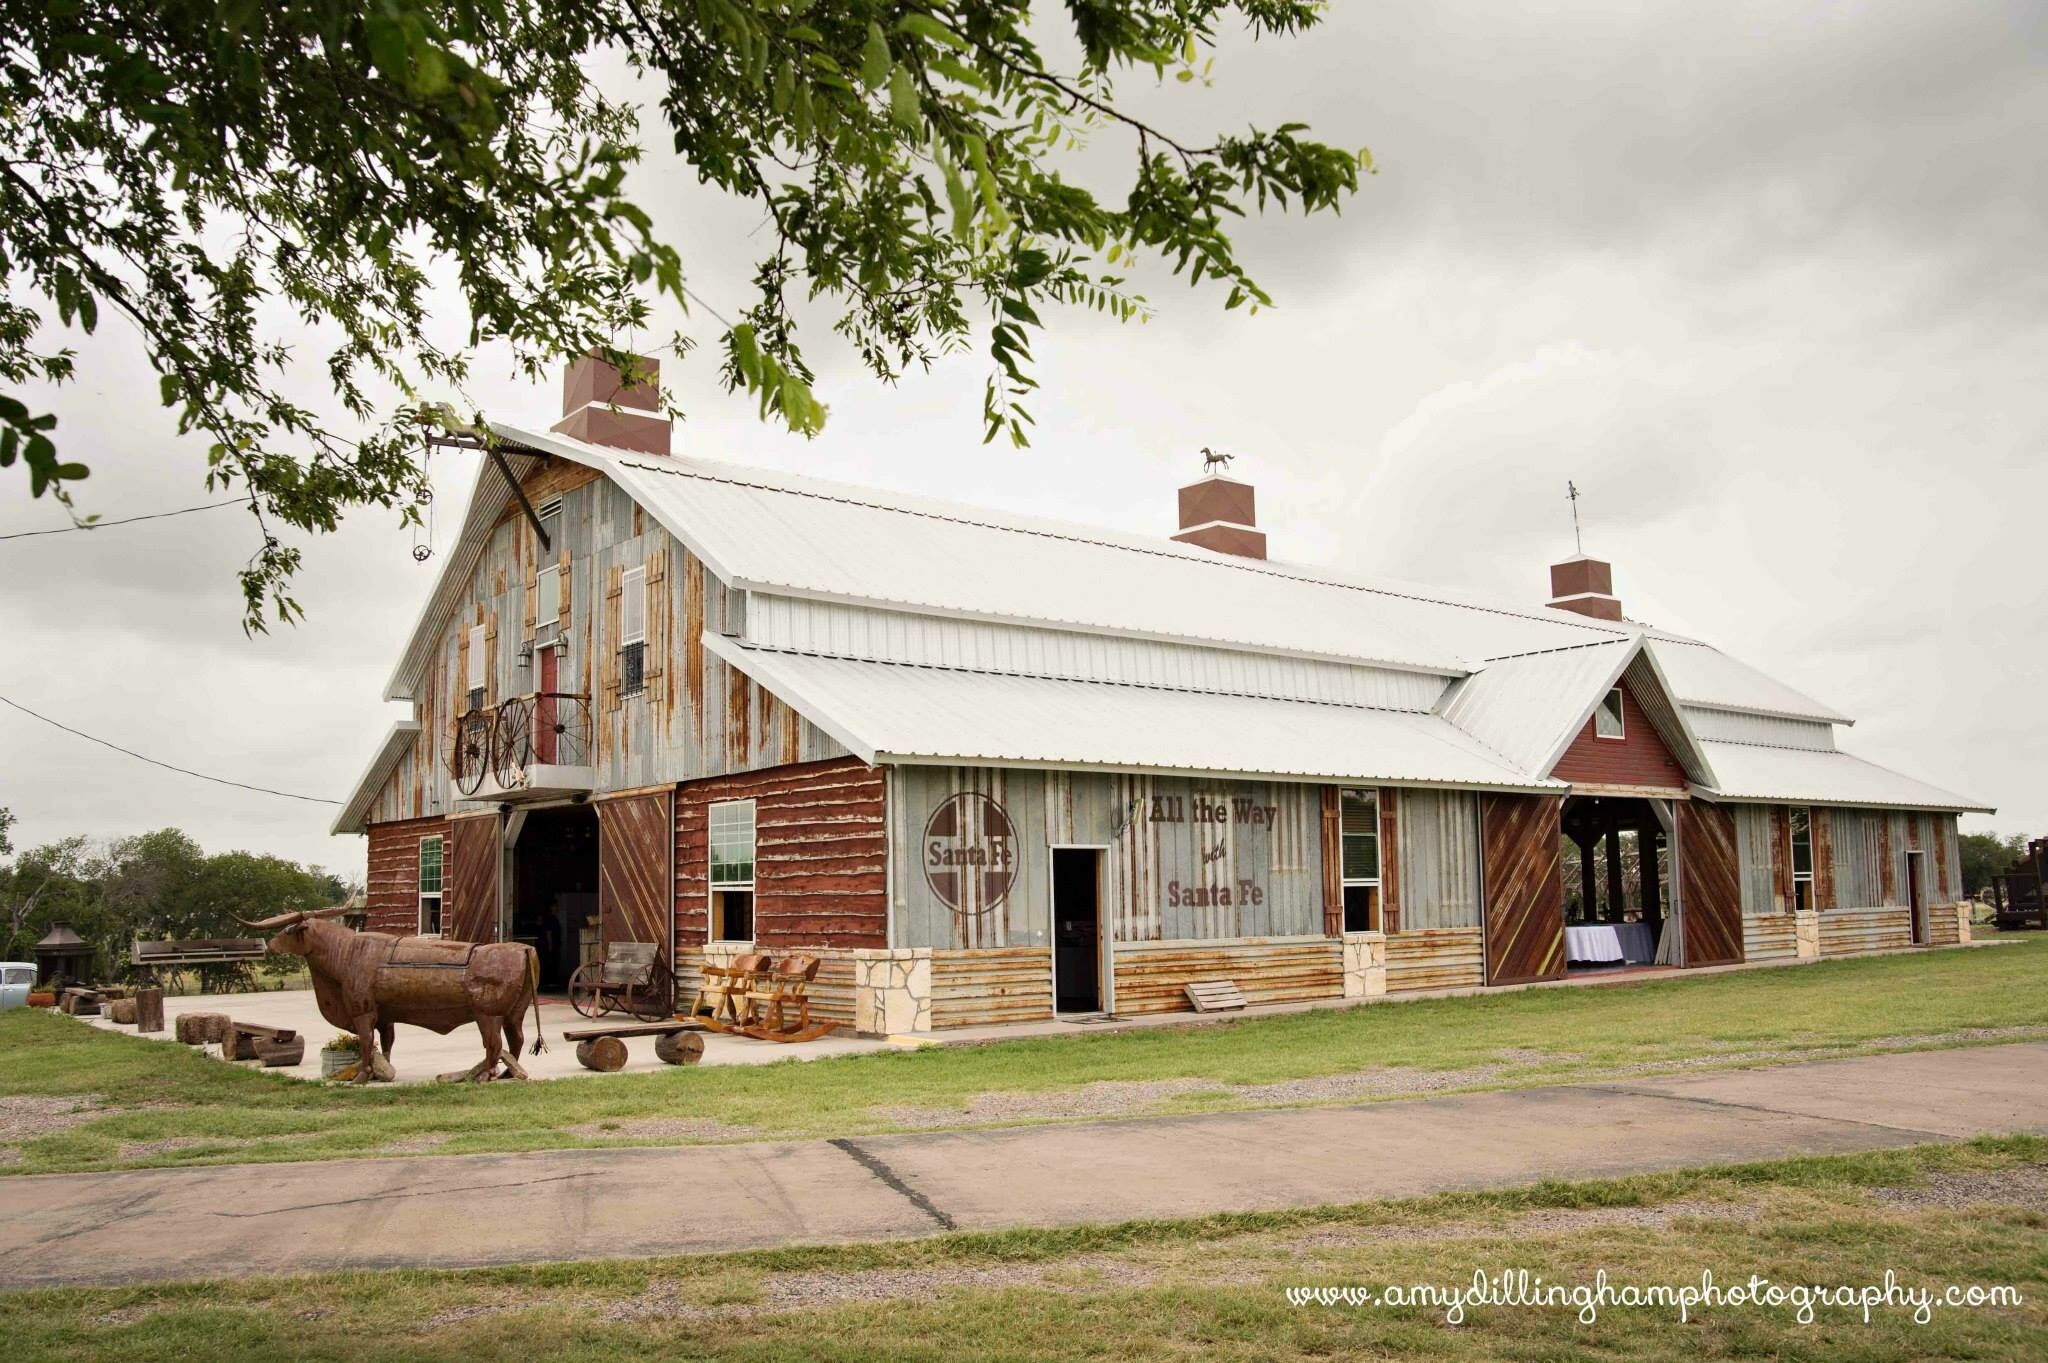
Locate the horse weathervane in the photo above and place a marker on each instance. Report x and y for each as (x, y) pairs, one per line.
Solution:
(1215, 460)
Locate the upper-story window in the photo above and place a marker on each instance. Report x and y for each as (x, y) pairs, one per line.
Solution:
(1607, 720)
(479, 668)
(1360, 810)
(633, 632)
(547, 609)
(1802, 859)
(731, 857)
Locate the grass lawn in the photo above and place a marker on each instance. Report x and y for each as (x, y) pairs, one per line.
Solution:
(1215, 1288)
(148, 1102)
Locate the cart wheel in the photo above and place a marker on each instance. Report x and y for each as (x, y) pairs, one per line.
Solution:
(653, 1002)
(584, 995)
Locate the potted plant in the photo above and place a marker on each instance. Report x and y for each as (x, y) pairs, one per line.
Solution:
(338, 1054)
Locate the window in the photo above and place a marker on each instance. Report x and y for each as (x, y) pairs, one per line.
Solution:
(547, 606)
(1607, 719)
(1802, 859)
(19, 975)
(479, 667)
(633, 632)
(1360, 812)
(430, 886)
(732, 871)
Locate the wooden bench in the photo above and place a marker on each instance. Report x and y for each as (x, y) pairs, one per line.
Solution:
(604, 1048)
(274, 1046)
(171, 955)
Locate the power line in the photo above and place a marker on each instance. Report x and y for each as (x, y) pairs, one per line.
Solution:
(126, 520)
(182, 771)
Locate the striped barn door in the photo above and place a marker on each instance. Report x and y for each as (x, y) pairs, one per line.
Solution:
(636, 836)
(1711, 883)
(1524, 887)
(475, 852)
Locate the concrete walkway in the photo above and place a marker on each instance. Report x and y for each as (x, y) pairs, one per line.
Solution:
(586, 1204)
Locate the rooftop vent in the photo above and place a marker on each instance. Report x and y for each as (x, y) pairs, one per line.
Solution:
(1218, 512)
(1584, 585)
(600, 407)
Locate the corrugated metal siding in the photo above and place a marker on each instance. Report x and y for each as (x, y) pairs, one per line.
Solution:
(1770, 938)
(1753, 833)
(1856, 840)
(833, 629)
(1771, 731)
(1436, 958)
(1157, 878)
(981, 988)
(1847, 932)
(1438, 858)
(1152, 977)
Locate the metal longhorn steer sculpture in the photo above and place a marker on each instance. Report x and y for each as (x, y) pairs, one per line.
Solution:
(369, 982)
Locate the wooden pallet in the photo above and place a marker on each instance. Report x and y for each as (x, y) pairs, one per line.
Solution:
(1215, 996)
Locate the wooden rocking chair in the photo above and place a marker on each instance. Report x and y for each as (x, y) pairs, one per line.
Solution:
(784, 986)
(721, 1003)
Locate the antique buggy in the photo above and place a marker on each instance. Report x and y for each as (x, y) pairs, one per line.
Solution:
(631, 979)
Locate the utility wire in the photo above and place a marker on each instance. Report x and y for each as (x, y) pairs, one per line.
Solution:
(182, 771)
(126, 520)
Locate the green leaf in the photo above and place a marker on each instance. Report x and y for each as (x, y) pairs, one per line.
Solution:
(904, 107)
(875, 60)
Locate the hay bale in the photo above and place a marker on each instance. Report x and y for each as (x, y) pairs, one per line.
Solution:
(122, 1011)
(197, 1029)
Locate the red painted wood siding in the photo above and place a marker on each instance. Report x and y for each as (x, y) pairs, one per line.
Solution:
(1637, 758)
(820, 855)
(393, 891)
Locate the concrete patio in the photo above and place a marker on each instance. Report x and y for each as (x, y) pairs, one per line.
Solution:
(421, 1056)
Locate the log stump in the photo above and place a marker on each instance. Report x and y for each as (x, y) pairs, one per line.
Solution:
(605, 1054)
(122, 1011)
(680, 1048)
(149, 1010)
(277, 1054)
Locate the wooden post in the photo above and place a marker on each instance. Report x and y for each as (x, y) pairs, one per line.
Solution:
(1589, 900)
(149, 1010)
(1617, 897)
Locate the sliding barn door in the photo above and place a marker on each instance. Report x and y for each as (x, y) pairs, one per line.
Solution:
(475, 853)
(1710, 878)
(636, 838)
(1518, 836)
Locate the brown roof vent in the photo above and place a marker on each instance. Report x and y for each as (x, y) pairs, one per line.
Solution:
(1220, 513)
(599, 406)
(1584, 585)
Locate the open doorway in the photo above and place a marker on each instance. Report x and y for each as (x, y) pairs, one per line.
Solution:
(1077, 929)
(554, 890)
(1615, 862)
(1916, 894)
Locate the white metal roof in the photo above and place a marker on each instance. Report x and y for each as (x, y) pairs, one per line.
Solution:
(1528, 708)
(397, 742)
(1702, 675)
(1747, 771)
(888, 712)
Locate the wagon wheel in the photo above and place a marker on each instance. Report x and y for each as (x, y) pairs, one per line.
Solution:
(586, 991)
(469, 754)
(653, 1001)
(512, 743)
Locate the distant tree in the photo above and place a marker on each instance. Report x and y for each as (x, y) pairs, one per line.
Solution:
(1984, 855)
(212, 169)
(58, 882)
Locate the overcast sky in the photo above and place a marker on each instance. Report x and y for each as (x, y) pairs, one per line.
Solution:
(1764, 279)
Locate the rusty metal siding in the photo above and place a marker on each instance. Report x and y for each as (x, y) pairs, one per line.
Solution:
(1158, 885)
(697, 718)
(1152, 977)
(1755, 869)
(1438, 854)
(1436, 958)
(1856, 840)
(1849, 932)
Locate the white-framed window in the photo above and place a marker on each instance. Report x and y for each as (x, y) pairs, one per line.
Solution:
(479, 668)
(1607, 720)
(633, 632)
(1802, 859)
(547, 583)
(731, 839)
(1359, 812)
(430, 886)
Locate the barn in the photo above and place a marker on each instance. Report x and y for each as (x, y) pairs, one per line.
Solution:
(995, 769)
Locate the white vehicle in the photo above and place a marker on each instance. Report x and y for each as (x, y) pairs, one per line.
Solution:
(16, 979)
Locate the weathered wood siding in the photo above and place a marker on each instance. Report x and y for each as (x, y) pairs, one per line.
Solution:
(820, 877)
(470, 903)
(1436, 958)
(392, 893)
(1845, 932)
(1638, 759)
(1519, 836)
(1710, 884)
(635, 882)
(1944, 929)
(697, 716)
(1437, 854)
(981, 988)
(1152, 977)
(1172, 874)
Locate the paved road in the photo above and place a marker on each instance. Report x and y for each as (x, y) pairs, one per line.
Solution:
(495, 1209)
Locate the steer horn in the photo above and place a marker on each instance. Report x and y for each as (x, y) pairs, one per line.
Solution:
(274, 922)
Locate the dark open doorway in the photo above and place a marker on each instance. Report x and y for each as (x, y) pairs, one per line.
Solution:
(1077, 929)
(554, 890)
(1616, 865)
(1916, 895)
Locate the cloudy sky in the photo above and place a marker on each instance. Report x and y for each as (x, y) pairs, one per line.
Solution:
(1764, 279)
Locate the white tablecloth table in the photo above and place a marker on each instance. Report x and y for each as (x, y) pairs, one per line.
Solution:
(1604, 942)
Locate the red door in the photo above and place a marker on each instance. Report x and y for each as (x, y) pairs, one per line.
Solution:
(544, 708)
